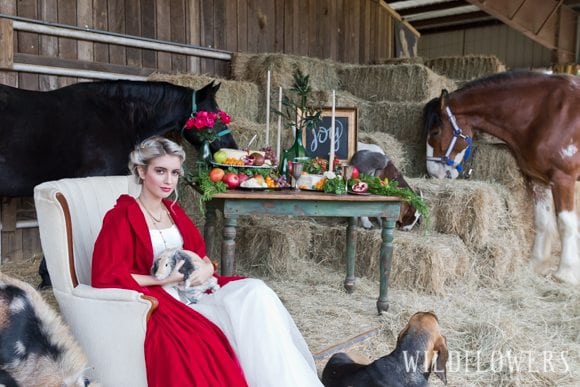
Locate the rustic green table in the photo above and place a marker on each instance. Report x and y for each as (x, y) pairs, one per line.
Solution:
(236, 203)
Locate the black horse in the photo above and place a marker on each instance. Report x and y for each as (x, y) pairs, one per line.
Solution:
(89, 128)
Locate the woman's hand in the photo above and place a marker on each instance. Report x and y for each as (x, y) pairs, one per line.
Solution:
(203, 273)
(175, 275)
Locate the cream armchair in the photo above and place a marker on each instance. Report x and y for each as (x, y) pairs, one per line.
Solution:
(109, 324)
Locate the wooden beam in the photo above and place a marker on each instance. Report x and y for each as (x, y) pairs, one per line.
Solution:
(396, 15)
(6, 44)
(547, 22)
(79, 65)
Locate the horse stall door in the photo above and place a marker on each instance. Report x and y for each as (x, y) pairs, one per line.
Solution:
(20, 238)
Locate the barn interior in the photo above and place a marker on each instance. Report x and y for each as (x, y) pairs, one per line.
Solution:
(468, 262)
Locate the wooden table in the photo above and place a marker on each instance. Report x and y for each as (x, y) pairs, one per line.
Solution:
(236, 203)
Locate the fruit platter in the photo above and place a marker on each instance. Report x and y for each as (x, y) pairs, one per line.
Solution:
(246, 158)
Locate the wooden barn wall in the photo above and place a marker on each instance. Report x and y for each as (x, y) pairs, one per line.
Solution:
(353, 31)
(514, 49)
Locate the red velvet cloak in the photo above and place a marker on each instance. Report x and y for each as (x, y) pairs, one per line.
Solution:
(182, 348)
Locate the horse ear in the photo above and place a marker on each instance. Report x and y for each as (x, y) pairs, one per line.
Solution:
(443, 99)
(216, 87)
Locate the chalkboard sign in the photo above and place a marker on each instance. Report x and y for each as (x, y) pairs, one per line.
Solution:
(317, 141)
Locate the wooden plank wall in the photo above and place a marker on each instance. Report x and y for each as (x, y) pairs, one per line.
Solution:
(352, 31)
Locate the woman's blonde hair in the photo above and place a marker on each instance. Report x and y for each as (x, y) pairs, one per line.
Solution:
(150, 149)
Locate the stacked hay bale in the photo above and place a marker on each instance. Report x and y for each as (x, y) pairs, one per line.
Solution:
(479, 231)
(466, 68)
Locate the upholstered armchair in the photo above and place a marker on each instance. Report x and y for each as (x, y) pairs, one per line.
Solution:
(109, 324)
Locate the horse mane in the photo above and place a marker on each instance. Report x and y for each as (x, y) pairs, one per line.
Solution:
(506, 76)
(431, 116)
(149, 92)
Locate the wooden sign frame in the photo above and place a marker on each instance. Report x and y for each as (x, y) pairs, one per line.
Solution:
(345, 134)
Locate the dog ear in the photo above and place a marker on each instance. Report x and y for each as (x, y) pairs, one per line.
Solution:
(440, 365)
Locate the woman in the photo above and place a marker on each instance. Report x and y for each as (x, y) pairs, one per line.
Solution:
(240, 335)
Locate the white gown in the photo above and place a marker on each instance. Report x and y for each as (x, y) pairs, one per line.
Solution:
(269, 346)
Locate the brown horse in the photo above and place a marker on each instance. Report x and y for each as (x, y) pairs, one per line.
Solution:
(537, 115)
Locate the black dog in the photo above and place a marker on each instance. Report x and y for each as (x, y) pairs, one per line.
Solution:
(409, 365)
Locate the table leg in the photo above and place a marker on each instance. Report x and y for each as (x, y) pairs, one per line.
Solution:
(350, 254)
(229, 245)
(209, 229)
(385, 263)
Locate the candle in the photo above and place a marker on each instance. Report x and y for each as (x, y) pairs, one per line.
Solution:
(279, 123)
(268, 109)
(332, 123)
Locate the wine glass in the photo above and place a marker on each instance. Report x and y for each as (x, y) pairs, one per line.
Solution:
(297, 168)
(348, 169)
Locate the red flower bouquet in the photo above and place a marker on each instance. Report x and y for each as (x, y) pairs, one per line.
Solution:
(208, 124)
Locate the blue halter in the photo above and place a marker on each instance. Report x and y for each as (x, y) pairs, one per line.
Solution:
(194, 111)
(457, 133)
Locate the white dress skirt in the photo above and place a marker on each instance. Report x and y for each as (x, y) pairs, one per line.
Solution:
(269, 346)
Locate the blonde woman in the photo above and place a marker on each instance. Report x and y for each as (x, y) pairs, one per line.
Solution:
(240, 335)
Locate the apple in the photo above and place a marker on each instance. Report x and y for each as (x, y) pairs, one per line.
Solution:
(231, 179)
(220, 156)
(216, 174)
(243, 177)
(355, 172)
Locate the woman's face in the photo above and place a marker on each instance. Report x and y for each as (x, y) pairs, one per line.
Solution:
(160, 177)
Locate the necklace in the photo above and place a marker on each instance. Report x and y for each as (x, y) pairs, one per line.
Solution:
(154, 219)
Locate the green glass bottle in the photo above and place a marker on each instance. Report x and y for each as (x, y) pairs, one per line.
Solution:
(296, 152)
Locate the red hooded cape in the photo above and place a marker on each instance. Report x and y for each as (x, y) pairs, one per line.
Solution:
(182, 348)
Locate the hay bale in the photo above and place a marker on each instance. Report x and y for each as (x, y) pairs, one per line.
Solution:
(254, 68)
(410, 83)
(423, 263)
(404, 120)
(239, 99)
(488, 217)
(466, 67)
(269, 249)
(496, 163)
(392, 147)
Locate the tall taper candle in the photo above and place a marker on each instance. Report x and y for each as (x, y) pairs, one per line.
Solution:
(279, 123)
(332, 125)
(268, 109)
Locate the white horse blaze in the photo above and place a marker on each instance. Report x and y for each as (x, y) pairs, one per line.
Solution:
(440, 170)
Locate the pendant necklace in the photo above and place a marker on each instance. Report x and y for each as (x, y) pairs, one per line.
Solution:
(155, 221)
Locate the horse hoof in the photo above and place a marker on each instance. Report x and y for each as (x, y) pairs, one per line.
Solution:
(567, 277)
(542, 268)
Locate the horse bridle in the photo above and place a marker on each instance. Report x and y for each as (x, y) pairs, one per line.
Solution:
(194, 110)
(457, 133)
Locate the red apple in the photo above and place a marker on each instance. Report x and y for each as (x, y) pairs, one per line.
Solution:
(231, 180)
(216, 174)
(355, 172)
(243, 177)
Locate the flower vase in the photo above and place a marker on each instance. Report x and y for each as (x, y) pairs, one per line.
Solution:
(205, 152)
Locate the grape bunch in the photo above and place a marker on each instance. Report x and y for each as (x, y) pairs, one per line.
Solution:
(269, 154)
(282, 181)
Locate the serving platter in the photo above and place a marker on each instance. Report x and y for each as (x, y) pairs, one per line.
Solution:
(358, 193)
(265, 166)
(263, 188)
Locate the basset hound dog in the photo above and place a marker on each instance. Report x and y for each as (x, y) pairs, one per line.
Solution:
(421, 349)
